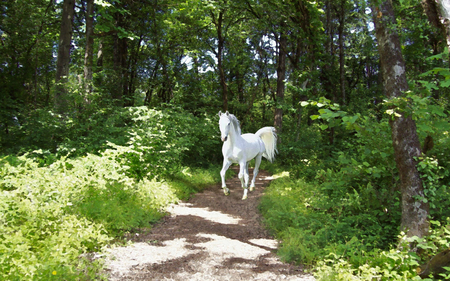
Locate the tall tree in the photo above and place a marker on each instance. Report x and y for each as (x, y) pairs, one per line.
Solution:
(281, 76)
(438, 13)
(404, 135)
(218, 20)
(89, 50)
(63, 60)
(342, 16)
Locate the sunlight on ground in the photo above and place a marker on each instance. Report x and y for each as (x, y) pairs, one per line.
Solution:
(186, 209)
(279, 175)
(268, 243)
(126, 258)
(219, 249)
(225, 248)
(222, 258)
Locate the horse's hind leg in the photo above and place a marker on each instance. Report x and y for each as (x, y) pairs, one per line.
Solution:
(255, 171)
(226, 165)
(246, 175)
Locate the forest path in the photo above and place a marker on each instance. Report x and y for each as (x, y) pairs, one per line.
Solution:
(210, 237)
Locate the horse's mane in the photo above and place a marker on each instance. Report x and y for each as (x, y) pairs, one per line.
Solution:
(235, 123)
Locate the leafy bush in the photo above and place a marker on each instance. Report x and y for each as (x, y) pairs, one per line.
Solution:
(394, 264)
(51, 216)
(42, 236)
(161, 142)
(310, 222)
(340, 210)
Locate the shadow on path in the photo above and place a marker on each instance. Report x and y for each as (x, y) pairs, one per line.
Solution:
(210, 237)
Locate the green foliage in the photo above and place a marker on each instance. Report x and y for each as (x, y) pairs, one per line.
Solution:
(440, 76)
(77, 134)
(394, 264)
(340, 245)
(339, 210)
(435, 193)
(189, 181)
(301, 154)
(161, 142)
(52, 215)
(310, 222)
(331, 113)
(56, 209)
(42, 235)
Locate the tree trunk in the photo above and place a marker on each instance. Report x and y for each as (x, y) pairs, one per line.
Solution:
(120, 91)
(438, 13)
(341, 51)
(404, 135)
(100, 55)
(63, 60)
(281, 76)
(220, 47)
(134, 57)
(89, 50)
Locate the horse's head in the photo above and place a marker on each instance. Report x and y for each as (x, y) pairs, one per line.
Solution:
(224, 125)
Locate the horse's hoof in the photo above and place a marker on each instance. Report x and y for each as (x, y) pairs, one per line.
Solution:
(244, 197)
(252, 188)
(226, 192)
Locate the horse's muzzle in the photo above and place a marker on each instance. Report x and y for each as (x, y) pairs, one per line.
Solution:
(225, 139)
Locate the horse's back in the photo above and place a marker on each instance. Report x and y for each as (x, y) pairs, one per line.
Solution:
(252, 142)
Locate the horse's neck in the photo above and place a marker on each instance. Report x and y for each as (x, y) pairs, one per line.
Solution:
(234, 136)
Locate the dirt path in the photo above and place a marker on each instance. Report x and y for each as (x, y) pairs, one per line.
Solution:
(210, 237)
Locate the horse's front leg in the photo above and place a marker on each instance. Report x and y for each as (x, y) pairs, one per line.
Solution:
(243, 176)
(255, 171)
(226, 165)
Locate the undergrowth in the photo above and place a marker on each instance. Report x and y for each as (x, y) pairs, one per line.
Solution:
(50, 216)
(340, 246)
(338, 209)
(57, 210)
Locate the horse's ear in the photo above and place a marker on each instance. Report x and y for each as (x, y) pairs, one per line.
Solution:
(227, 113)
(220, 113)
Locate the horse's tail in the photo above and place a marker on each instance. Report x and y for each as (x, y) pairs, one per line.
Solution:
(269, 138)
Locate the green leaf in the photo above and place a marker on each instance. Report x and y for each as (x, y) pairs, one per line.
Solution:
(445, 83)
(324, 126)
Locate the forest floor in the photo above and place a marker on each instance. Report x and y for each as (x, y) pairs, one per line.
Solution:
(209, 237)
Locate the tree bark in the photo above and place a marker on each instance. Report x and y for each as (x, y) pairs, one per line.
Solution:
(120, 60)
(89, 50)
(63, 60)
(281, 76)
(220, 47)
(341, 51)
(438, 13)
(404, 135)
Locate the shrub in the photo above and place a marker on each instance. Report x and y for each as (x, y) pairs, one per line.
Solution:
(42, 237)
(52, 215)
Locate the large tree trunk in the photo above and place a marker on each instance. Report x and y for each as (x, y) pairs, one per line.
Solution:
(438, 13)
(404, 135)
(281, 76)
(63, 60)
(220, 47)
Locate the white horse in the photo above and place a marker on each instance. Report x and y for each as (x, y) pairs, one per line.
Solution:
(241, 149)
